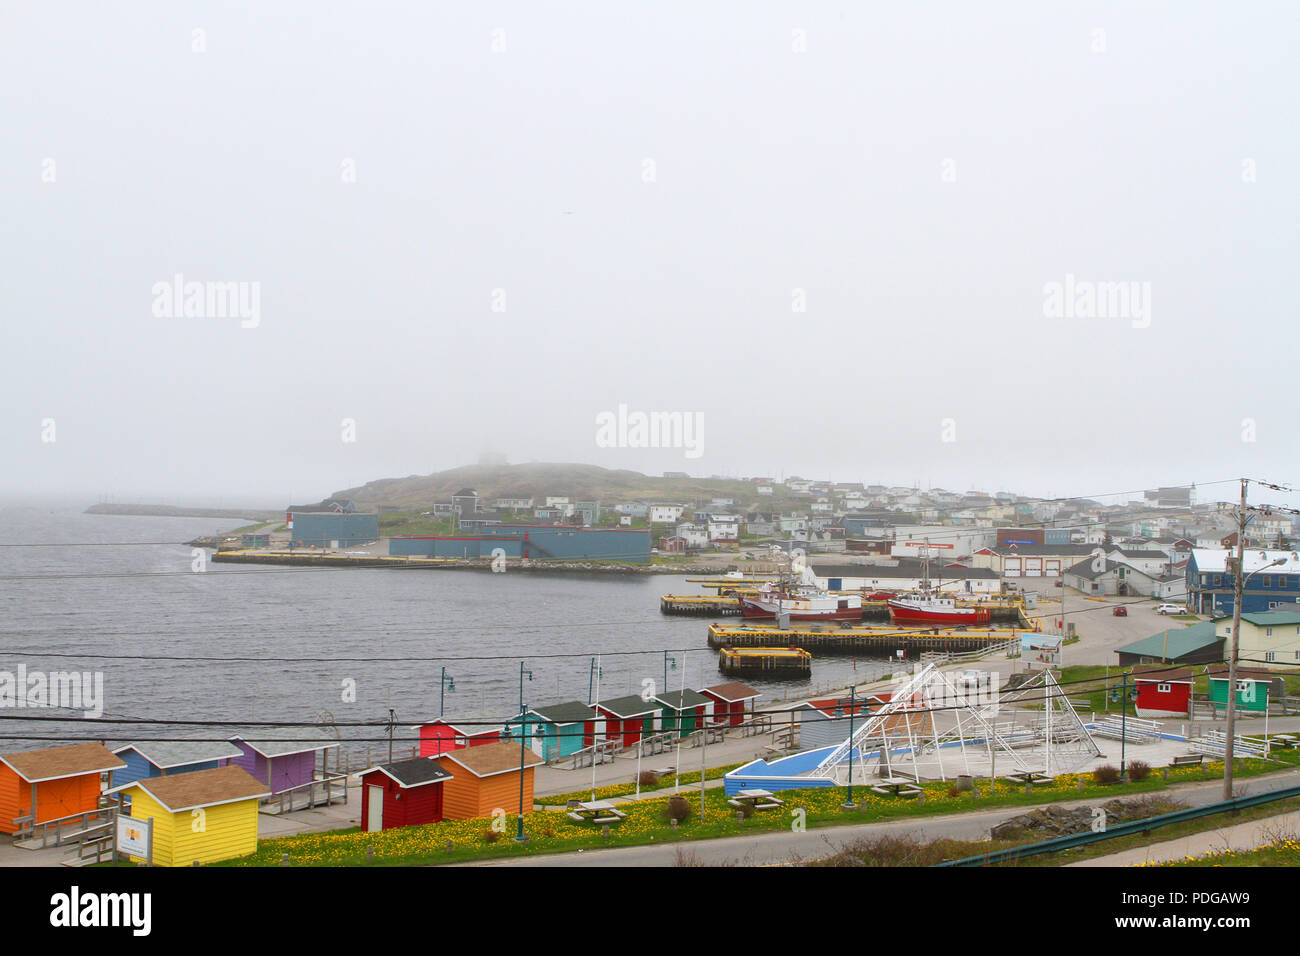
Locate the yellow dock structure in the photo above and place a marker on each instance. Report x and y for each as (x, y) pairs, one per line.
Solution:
(866, 641)
(770, 662)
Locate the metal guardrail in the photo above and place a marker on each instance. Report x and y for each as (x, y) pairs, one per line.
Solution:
(1126, 829)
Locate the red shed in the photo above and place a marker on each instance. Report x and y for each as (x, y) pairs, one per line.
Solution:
(729, 702)
(628, 717)
(45, 785)
(402, 794)
(441, 735)
(1163, 691)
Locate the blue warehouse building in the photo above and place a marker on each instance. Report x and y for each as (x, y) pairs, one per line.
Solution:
(332, 529)
(536, 542)
(1269, 586)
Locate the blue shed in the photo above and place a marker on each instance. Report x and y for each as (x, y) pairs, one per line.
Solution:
(556, 730)
(161, 758)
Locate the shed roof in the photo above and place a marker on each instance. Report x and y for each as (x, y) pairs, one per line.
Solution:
(416, 772)
(165, 754)
(493, 758)
(570, 712)
(1162, 674)
(633, 706)
(732, 691)
(55, 763)
(201, 788)
(1181, 642)
(681, 699)
(1253, 674)
(278, 745)
(465, 726)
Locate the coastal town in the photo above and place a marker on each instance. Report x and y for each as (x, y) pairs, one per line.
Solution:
(788, 438)
(1013, 651)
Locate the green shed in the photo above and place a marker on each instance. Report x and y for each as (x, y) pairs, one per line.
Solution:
(682, 710)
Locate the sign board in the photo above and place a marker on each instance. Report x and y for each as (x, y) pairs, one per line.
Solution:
(135, 837)
(1040, 650)
(923, 544)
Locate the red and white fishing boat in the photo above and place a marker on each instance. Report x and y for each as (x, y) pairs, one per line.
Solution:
(929, 611)
(801, 603)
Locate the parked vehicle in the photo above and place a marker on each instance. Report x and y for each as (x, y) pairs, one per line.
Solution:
(1120, 611)
(1170, 609)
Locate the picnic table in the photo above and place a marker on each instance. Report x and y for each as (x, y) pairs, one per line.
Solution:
(596, 811)
(896, 787)
(1285, 740)
(758, 799)
(1028, 776)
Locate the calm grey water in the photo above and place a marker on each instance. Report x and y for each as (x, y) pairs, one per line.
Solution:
(72, 597)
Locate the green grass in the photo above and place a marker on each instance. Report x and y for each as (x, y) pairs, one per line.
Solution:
(1282, 852)
(614, 791)
(553, 832)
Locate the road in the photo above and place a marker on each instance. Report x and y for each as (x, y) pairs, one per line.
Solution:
(782, 847)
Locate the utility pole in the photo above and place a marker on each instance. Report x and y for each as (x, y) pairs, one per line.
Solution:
(1238, 589)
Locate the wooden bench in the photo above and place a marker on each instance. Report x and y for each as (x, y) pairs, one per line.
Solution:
(1188, 760)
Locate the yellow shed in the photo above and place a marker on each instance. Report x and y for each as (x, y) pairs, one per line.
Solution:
(206, 815)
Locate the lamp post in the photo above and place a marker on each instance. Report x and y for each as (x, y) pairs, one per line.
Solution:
(445, 684)
(853, 706)
(523, 749)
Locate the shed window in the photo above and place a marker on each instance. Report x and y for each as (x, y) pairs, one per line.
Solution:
(1163, 688)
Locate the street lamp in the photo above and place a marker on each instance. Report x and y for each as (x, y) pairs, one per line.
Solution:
(668, 660)
(523, 749)
(445, 683)
(853, 706)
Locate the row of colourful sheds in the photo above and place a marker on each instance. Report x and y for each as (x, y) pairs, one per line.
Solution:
(202, 795)
(556, 731)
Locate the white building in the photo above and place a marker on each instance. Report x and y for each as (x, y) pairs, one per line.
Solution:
(724, 528)
(665, 514)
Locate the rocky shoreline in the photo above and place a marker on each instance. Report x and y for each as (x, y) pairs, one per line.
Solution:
(319, 559)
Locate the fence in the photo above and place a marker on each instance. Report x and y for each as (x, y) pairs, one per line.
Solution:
(1126, 829)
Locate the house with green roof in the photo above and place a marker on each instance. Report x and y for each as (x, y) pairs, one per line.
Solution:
(1268, 638)
(1202, 643)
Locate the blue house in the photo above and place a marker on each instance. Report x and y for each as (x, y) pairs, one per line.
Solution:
(1269, 586)
(161, 758)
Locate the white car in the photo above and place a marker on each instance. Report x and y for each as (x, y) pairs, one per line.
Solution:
(1170, 609)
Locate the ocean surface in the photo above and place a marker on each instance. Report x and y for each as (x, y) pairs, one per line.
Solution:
(118, 595)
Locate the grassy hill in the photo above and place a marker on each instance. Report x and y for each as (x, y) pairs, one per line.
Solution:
(538, 480)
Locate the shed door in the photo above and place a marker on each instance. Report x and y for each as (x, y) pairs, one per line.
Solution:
(374, 809)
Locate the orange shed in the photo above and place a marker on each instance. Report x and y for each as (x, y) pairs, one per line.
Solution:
(55, 782)
(486, 778)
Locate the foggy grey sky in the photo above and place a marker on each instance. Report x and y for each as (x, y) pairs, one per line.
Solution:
(919, 172)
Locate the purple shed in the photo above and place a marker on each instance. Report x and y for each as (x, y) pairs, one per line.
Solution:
(282, 764)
